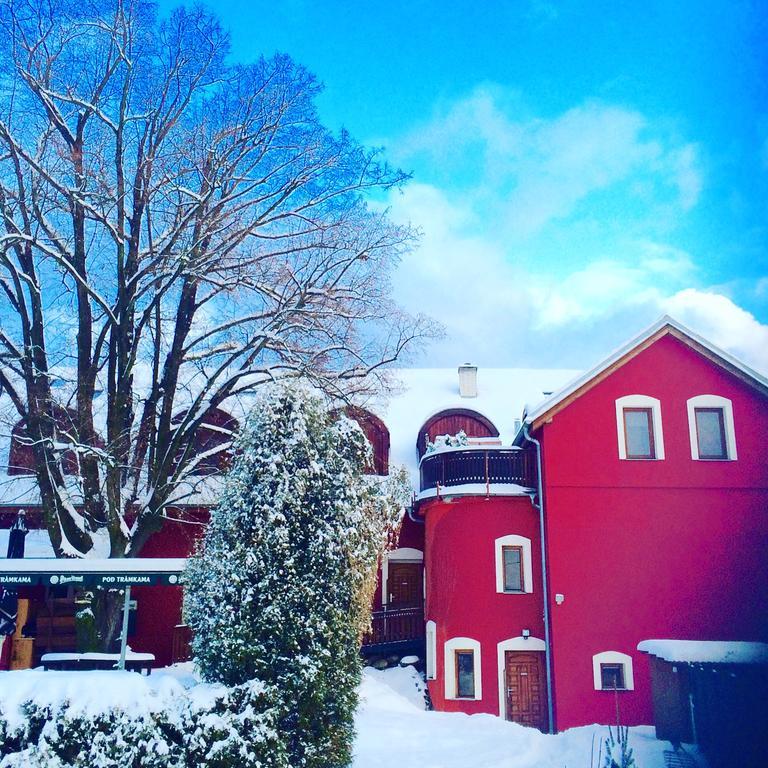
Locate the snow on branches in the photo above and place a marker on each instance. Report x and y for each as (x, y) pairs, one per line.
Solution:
(175, 231)
(280, 589)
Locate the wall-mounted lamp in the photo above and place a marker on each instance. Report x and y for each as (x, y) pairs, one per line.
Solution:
(526, 634)
(559, 599)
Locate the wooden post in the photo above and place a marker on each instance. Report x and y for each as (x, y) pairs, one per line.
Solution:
(124, 633)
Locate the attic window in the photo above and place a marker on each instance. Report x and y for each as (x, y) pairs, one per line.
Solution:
(378, 436)
(638, 433)
(639, 429)
(711, 429)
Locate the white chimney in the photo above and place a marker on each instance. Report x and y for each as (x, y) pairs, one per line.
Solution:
(468, 380)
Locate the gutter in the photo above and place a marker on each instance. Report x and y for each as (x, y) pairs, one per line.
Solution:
(410, 510)
(545, 589)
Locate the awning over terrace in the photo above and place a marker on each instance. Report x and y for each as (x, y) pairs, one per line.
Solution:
(110, 573)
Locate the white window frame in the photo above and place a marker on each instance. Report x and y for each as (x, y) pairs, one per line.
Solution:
(726, 406)
(450, 648)
(513, 540)
(403, 555)
(519, 643)
(431, 650)
(613, 657)
(640, 401)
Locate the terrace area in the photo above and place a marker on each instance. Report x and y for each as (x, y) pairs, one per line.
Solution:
(477, 470)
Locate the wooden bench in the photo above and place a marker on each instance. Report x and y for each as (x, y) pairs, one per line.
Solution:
(134, 662)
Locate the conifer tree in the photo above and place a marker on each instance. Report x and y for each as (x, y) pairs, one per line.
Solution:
(280, 588)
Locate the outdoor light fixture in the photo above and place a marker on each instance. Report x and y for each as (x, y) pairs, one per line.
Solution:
(526, 633)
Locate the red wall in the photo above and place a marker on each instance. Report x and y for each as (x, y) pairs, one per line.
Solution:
(159, 607)
(673, 548)
(461, 585)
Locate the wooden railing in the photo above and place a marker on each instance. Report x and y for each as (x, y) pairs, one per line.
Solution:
(395, 625)
(487, 466)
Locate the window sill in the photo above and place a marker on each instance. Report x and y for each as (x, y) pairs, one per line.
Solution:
(614, 690)
(514, 592)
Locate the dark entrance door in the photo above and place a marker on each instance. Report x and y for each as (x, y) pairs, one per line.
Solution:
(526, 689)
(405, 585)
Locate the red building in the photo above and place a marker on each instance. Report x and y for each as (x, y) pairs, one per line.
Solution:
(627, 505)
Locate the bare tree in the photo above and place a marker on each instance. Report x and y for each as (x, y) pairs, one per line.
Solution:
(176, 230)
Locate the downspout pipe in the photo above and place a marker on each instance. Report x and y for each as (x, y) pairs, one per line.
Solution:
(545, 588)
(419, 520)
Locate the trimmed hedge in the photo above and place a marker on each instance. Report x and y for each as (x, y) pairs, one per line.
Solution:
(233, 729)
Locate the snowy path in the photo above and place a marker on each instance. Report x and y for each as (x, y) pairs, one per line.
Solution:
(394, 731)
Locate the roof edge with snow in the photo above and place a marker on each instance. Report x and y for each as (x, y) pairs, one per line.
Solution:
(663, 326)
(706, 651)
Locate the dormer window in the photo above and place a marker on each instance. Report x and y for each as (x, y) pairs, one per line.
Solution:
(210, 450)
(377, 434)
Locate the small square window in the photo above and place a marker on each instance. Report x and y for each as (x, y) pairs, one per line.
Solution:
(612, 677)
(465, 674)
(512, 559)
(710, 433)
(638, 433)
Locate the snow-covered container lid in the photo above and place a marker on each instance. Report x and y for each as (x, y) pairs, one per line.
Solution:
(706, 651)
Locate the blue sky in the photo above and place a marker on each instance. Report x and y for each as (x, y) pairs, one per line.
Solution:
(578, 168)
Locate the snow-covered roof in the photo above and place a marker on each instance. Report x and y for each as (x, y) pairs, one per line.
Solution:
(706, 651)
(664, 322)
(421, 393)
(37, 543)
(416, 395)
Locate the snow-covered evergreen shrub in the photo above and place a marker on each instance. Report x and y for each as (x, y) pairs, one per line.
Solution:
(234, 729)
(280, 589)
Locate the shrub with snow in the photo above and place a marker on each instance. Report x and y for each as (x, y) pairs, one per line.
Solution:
(280, 589)
(236, 728)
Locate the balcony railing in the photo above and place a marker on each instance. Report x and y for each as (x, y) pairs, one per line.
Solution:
(395, 625)
(472, 466)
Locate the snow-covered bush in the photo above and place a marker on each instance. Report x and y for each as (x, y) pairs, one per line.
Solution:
(458, 440)
(280, 588)
(234, 729)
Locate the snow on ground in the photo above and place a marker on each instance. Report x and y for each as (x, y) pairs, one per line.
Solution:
(91, 692)
(394, 729)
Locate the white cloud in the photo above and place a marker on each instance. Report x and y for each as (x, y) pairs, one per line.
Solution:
(527, 171)
(725, 324)
(546, 240)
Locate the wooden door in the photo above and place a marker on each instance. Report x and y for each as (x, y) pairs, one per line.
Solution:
(405, 584)
(526, 689)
